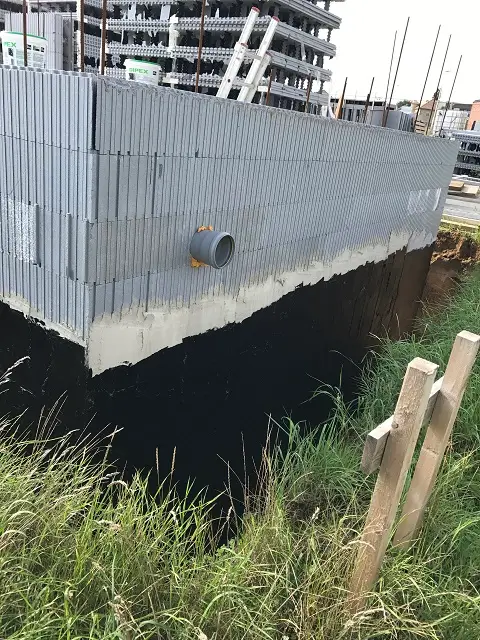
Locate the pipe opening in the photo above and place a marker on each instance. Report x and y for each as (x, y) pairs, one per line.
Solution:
(224, 251)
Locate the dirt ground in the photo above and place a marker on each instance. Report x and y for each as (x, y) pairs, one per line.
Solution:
(454, 253)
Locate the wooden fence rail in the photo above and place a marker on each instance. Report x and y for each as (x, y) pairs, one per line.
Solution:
(390, 447)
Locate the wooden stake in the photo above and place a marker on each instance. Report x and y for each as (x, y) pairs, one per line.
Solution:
(407, 422)
(338, 111)
(455, 380)
(376, 440)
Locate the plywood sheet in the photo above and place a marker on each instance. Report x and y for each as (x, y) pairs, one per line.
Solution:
(470, 190)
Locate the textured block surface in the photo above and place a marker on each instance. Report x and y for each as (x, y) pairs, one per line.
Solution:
(107, 180)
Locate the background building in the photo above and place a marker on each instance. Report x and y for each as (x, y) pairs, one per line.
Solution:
(468, 159)
(474, 118)
(431, 116)
(454, 117)
(167, 33)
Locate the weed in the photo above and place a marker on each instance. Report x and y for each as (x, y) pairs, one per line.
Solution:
(85, 555)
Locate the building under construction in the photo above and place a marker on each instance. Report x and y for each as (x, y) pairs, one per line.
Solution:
(170, 34)
(182, 265)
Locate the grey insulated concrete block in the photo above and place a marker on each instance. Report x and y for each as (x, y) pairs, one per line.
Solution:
(106, 181)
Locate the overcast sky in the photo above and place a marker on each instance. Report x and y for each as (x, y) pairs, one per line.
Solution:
(365, 38)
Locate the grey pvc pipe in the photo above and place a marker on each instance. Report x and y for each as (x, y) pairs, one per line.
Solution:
(215, 248)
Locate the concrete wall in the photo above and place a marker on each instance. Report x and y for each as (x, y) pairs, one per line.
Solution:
(107, 180)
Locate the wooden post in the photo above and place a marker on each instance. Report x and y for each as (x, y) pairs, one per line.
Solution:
(376, 440)
(448, 402)
(406, 425)
(338, 110)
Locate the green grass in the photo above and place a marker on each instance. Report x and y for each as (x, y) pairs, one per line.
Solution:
(466, 230)
(85, 555)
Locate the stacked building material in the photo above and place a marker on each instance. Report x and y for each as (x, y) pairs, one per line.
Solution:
(394, 118)
(170, 33)
(167, 32)
(56, 28)
(107, 180)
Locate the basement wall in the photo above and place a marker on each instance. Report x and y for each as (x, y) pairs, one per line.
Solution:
(210, 401)
(107, 180)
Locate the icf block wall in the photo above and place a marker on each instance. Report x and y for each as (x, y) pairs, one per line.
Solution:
(106, 181)
(55, 27)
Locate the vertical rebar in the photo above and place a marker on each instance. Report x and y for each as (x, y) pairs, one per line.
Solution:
(437, 92)
(385, 115)
(389, 73)
(450, 96)
(104, 37)
(24, 18)
(267, 98)
(426, 78)
(200, 44)
(309, 91)
(81, 19)
(367, 101)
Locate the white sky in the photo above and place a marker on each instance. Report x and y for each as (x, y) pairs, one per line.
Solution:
(365, 38)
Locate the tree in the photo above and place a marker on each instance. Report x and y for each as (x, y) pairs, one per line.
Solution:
(404, 103)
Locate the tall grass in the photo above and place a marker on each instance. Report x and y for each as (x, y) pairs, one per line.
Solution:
(85, 555)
